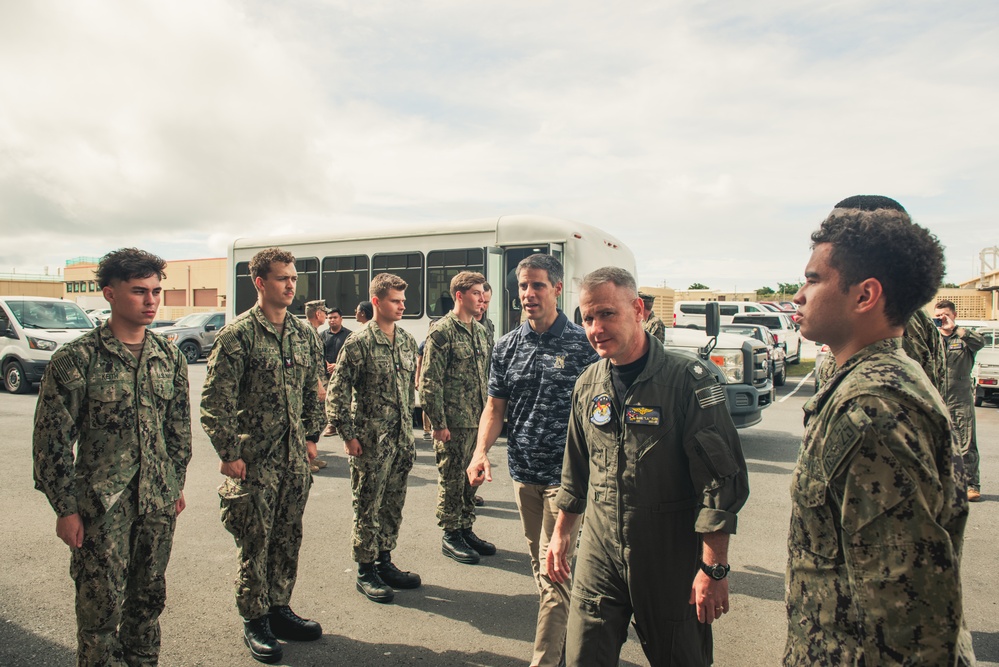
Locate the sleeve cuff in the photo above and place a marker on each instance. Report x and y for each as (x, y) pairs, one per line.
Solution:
(570, 503)
(713, 521)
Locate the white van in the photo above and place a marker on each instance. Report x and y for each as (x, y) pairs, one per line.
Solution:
(31, 329)
(690, 314)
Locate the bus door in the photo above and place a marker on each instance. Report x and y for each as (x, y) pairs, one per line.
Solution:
(511, 311)
(494, 274)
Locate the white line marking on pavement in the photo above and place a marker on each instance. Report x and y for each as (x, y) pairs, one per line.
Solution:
(796, 387)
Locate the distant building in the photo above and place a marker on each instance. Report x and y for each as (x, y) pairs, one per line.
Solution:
(26, 284)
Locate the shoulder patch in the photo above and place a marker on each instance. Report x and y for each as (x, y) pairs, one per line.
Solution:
(230, 342)
(708, 396)
(67, 371)
(698, 370)
(439, 337)
(843, 434)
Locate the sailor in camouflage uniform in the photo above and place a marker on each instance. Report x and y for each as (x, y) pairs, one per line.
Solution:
(878, 511)
(453, 393)
(260, 408)
(375, 371)
(120, 393)
(532, 372)
(651, 321)
(962, 345)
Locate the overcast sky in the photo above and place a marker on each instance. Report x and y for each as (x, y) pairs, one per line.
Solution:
(710, 137)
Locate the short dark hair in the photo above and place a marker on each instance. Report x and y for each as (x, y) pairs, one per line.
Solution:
(127, 264)
(366, 309)
(466, 280)
(260, 264)
(880, 241)
(486, 287)
(610, 274)
(383, 282)
(946, 304)
(330, 311)
(546, 263)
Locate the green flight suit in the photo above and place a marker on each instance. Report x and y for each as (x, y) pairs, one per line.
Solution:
(960, 398)
(260, 401)
(653, 471)
(130, 420)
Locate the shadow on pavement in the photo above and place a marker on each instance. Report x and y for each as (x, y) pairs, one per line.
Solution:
(336, 650)
(20, 648)
(775, 446)
(509, 616)
(986, 645)
(760, 583)
(767, 468)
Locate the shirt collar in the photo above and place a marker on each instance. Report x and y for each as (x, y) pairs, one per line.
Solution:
(555, 330)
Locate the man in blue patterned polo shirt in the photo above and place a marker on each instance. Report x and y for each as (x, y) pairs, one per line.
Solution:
(533, 371)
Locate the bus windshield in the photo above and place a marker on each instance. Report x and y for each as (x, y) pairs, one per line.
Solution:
(50, 315)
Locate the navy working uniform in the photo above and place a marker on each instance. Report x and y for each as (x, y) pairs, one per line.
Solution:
(653, 468)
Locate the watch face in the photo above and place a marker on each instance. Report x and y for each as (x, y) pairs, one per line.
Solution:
(718, 572)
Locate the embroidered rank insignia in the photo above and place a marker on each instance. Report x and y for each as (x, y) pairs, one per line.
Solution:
(642, 416)
(697, 370)
(601, 410)
(709, 396)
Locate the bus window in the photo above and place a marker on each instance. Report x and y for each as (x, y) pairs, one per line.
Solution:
(442, 266)
(409, 267)
(345, 282)
(246, 293)
(308, 285)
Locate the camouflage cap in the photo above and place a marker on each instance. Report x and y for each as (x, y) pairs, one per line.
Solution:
(647, 298)
(312, 307)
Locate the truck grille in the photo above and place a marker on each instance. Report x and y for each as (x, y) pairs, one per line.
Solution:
(756, 361)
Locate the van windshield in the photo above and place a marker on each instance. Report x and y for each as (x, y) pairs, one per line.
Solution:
(49, 315)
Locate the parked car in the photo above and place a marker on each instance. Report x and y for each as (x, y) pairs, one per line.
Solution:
(98, 315)
(781, 306)
(159, 324)
(782, 325)
(31, 329)
(690, 314)
(985, 373)
(194, 334)
(777, 355)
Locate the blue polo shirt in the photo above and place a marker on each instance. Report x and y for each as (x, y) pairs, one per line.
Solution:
(536, 375)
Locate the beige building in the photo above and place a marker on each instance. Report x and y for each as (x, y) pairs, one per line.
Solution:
(16, 284)
(971, 304)
(190, 286)
(663, 305)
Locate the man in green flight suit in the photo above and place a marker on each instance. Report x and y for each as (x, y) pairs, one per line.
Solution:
(878, 502)
(654, 459)
(120, 393)
(962, 345)
(260, 408)
(453, 393)
(369, 401)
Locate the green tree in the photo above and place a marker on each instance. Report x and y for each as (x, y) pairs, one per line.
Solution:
(764, 291)
(788, 288)
(950, 286)
(698, 286)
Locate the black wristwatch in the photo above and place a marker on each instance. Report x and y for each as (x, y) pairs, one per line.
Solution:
(716, 572)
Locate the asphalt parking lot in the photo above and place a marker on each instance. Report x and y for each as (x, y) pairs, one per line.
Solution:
(463, 615)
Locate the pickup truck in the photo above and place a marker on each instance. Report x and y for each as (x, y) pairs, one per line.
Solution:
(985, 374)
(740, 364)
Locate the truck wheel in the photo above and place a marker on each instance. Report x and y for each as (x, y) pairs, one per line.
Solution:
(14, 380)
(191, 351)
(978, 401)
(780, 380)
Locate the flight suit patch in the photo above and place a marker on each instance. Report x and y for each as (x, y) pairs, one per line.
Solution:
(709, 396)
(601, 410)
(698, 370)
(955, 345)
(641, 415)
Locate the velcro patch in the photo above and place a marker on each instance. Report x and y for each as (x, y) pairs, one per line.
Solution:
(709, 396)
(641, 415)
(698, 370)
(439, 337)
(230, 343)
(843, 434)
(68, 373)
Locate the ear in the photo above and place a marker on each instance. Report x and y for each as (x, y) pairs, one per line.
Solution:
(558, 288)
(639, 307)
(374, 301)
(108, 293)
(869, 296)
(258, 282)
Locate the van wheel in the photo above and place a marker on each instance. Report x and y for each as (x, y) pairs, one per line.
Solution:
(14, 380)
(190, 351)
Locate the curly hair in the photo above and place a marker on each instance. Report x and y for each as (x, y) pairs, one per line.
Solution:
(260, 264)
(127, 264)
(871, 238)
(383, 282)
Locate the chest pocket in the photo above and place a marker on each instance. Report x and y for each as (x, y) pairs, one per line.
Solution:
(812, 526)
(462, 352)
(108, 405)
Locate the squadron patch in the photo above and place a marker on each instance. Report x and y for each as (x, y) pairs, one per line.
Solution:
(709, 396)
(601, 410)
(641, 415)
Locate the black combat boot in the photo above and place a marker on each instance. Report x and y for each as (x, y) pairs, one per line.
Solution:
(371, 585)
(287, 625)
(484, 548)
(392, 575)
(261, 641)
(454, 546)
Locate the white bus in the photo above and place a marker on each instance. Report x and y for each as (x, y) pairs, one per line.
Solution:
(337, 267)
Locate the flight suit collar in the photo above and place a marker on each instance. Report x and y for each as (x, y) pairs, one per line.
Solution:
(657, 357)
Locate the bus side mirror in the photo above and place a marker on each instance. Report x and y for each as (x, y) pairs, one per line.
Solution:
(712, 318)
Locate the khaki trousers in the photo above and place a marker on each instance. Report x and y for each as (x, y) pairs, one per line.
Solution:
(537, 514)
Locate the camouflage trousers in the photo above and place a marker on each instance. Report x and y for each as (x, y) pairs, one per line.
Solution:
(963, 417)
(378, 483)
(264, 514)
(120, 575)
(455, 496)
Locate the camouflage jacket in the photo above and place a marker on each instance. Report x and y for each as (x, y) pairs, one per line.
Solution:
(655, 326)
(261, 396)
(877, 521)
(377, 376)
(127, 417)
(922, 342)
(455, 373)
